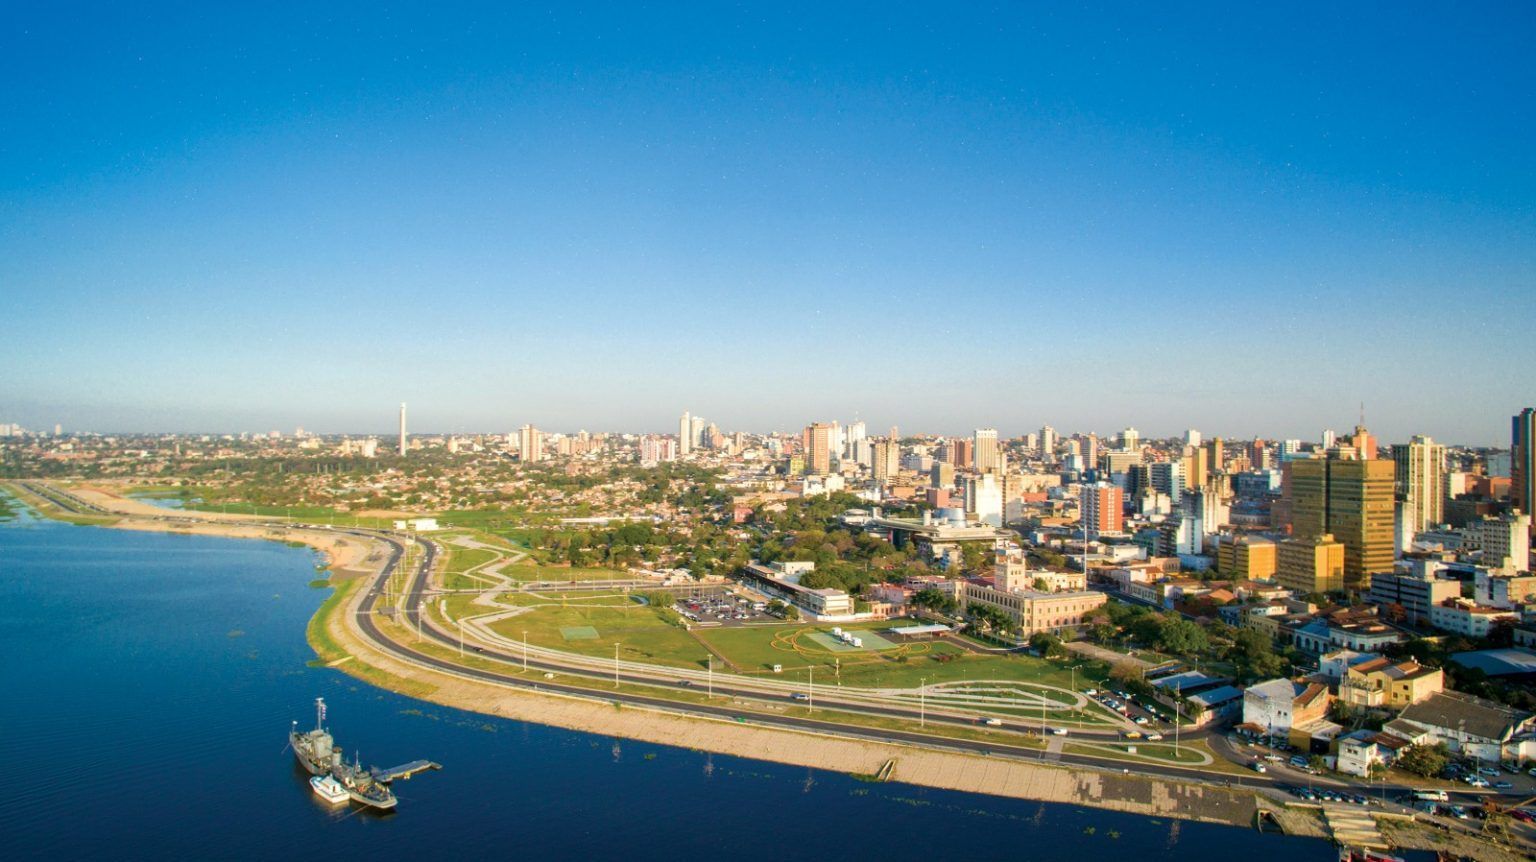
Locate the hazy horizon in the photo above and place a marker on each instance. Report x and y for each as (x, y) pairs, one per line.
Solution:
(1247, 222)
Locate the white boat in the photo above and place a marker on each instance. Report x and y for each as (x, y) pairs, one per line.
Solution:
(329, 789)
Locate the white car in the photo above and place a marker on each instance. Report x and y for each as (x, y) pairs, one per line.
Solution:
(1476, 780)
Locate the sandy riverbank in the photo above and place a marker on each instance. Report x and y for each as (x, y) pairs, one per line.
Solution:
(351, 556)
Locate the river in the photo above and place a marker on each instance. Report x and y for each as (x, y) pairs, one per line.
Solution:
(150, 680)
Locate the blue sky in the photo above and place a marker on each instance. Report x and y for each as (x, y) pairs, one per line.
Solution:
(221, 217)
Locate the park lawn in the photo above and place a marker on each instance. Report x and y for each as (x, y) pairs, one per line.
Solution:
(528, 572)
(643, 635)
(461, 559)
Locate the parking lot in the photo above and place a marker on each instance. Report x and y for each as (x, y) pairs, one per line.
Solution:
(725, 610)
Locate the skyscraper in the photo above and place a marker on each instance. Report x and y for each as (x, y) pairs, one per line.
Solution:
(1353, 501)
(1192, 437)
(402, 429)
(530, 444)
(1103, 509)
(1047, 442)
(1522, 469)
(1420, 479)
(986, 450)
(818, 448)
(685, 434)
(1130, 439)
(887, 460)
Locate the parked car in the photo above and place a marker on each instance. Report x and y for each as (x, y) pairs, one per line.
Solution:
(1258, 766)
(1476, 780)
(1489, 771)
(1502, 785)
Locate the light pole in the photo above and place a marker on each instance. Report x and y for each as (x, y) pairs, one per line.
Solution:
(922, 702)
(810, 688)
(615, 664)
(709, 661)
(525, 650)
(461, 637)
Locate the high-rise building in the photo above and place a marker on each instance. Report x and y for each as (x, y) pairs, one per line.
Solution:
(1258, 455)
(1310, 564)
(1167, 477)
(1522, 462)
(818, 448)
(887, 460)
(1047, 442)
(984, 499)
(1090, 451)
(962, 453)
(1364, 443)
(1192, 438)
(1352, 500)
(1103, 509)
(1217, 457)
(685, 434)
(530, 444)
(986, 450)
(1505, 541)
(1329, 438)
(1197, 466)
(1421, 482)
(1130, 439)
(402, 429)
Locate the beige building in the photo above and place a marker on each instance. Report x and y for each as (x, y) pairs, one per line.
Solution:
(1310, 565)
(1421, 482)
(1380, 683)
(1015, 575)
(1033, 612)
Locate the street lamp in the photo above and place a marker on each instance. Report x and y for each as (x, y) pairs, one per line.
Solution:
(709, 661)
(525, 650)
(615, 664)
(922, 702)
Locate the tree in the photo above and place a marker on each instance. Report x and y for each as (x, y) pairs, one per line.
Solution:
(1254, 654)
(1424, 760)
(1045, 643)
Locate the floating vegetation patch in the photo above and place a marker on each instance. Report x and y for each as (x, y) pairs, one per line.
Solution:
(236, 633)
(319, 583)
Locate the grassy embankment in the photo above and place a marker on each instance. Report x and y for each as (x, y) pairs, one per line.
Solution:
(48, 509)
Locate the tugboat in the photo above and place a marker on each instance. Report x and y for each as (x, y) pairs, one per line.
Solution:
(329, 789)
(363, 786)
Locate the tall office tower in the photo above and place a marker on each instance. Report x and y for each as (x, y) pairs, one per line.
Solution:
(1329, 438)
(1091, 451)
(1522, 462)
(984, 499)
(402, 429)
(962, 454)
(856, 433)
(685, 434)
(700, 428)
(1192, 438)
(818, 448)
(1258, 455)
(530, 444)
(1032, 441)
(1421, 482)
(1364, 443)
(986, 450)
(1217, 458)
(942, 475)
(835, 446)
(1047, 443)
(1103, 509)
(887, 460)
(895, 435)
(1352, 501)
(1130, 439)
(1197, 467)
(1505, 540)
(1167, 477)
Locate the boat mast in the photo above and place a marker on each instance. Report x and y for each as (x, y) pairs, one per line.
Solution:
(319, 713)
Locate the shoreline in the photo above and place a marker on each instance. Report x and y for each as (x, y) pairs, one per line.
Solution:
(351, 559)
(339, 646)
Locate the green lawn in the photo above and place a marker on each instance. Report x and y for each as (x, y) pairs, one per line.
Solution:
(644, 636)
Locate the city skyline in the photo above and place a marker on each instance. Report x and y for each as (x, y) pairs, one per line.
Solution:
(1248, 222)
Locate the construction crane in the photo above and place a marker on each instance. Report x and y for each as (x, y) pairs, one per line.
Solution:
(1496, 814)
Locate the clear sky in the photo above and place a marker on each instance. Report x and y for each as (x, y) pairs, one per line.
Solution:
(245, 217)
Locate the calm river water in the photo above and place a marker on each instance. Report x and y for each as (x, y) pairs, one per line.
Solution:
(150, 680)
